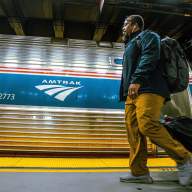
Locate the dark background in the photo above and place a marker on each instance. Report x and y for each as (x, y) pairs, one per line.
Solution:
(99, 20)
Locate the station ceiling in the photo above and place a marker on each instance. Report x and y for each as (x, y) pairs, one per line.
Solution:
(99, 20)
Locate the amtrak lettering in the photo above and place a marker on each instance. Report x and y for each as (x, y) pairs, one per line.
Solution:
(55, 88)
(64, 82)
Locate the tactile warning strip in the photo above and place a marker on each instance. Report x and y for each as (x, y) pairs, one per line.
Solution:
(18, 164)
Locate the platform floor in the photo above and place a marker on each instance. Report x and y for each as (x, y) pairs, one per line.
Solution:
(83, 174)
(85, 182)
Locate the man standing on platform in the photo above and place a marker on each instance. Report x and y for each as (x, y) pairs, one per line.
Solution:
(144, 90)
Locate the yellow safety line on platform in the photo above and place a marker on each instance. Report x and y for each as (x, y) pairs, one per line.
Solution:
(17, 164)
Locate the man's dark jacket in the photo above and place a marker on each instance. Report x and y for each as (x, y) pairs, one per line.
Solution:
(141, 64)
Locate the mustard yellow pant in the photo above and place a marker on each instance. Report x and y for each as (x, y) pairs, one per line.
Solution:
(142, 120)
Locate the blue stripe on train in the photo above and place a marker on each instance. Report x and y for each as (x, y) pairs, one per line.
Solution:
(59, 91)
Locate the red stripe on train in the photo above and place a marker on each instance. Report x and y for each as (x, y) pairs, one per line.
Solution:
(52, 70)
(63, 73)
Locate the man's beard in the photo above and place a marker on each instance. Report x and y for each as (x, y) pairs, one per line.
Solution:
(124, 37)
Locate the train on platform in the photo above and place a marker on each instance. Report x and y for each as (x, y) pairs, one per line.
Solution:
(62, 97)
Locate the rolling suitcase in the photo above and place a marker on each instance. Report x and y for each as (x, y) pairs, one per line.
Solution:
(180, 128)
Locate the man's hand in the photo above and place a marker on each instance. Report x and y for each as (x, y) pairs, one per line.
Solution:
(133, 90)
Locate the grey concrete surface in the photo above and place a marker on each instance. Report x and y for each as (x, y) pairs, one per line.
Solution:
(85, 182)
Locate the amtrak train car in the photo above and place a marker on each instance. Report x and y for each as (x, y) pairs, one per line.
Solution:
(61, 97)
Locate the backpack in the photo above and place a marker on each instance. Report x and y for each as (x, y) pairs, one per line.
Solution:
(180, 128)
(175, 65)
(174, 62)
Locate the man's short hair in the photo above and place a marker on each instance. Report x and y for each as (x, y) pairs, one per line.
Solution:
(137, 19)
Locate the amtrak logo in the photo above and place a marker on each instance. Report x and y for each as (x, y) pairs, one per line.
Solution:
(59, 92)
